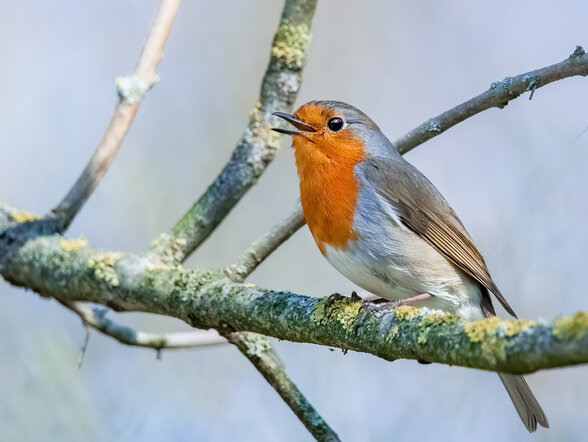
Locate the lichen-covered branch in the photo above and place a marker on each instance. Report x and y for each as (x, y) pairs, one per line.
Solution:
(264, 246)
(131, 91)
(258, 144)
(70, 270)
(499, 94)
(96, 318)
(255, 348)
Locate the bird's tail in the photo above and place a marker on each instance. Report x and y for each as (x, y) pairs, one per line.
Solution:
(524, 401)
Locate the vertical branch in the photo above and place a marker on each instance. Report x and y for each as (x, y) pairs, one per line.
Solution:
(131, 91)
(258, 144)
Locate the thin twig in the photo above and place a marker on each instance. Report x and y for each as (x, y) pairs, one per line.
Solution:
(499, 94)
(261, 356)
(258, 144)
(96, 318)
(264, 246)
(131, 91)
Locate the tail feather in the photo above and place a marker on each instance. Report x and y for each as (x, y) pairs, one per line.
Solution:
(524, 401)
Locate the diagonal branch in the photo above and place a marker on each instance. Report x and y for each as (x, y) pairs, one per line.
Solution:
(259, 353)
(96, 318)
(131, 91)
(258, 144)
(264, 246)
(499, 94)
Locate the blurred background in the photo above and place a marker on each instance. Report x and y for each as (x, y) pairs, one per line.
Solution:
(517, 178)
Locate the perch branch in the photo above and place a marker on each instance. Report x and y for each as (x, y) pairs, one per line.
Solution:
(131, 91)
(208, 299)
(258, 144)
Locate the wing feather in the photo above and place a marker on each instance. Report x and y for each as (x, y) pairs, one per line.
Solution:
(424, 210)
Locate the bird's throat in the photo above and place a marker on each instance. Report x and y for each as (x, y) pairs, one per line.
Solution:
(328, 193)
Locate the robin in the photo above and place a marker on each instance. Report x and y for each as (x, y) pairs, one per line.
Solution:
(382, 224)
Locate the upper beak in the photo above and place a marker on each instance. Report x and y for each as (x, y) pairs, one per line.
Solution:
(294, 122)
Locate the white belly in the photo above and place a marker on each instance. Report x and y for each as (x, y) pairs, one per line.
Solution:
(405, 266)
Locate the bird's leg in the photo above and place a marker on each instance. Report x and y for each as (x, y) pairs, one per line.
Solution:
(405, 301)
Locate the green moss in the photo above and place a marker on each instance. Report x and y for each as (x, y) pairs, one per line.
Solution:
(433, 319)
(69, 245)
(571, 327)
(345, 311)
(104, 267)
(290, 44)
(22, 216)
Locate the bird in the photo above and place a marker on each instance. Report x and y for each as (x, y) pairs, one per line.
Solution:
(382, 224)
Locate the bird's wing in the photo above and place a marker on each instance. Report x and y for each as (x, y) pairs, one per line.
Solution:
(422, 208)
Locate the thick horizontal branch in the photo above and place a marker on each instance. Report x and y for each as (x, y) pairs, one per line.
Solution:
(499, 94)
(258, 144)
(70, 270)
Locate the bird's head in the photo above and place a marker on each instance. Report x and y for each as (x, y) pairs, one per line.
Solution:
(334, 131)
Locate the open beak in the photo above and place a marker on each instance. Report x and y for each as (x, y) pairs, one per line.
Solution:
(303, 127)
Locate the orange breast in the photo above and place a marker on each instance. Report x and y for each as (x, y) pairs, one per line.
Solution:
(328, 187)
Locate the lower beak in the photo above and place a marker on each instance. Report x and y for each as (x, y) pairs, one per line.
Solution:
(303, 127)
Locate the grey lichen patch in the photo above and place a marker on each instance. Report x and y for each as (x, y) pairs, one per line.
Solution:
(132, 89)
(345, 311)
(257, 345)
(578, 52)
(22, 216)
(530, 81)
(434, 127)
(290, 44)
(69, 245)
(104, 267)
(571, 327)
(490, 333)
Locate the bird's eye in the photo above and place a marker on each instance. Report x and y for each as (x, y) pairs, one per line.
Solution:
(335, 124)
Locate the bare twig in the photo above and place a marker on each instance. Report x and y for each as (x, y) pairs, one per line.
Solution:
(499, 94)
(261, 356)
(264, 246)
(131, 90)
(96, 318)
(258, 144)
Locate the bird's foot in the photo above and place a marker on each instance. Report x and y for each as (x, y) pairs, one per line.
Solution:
(405, 301)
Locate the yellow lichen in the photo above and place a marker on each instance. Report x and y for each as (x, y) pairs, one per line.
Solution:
(104, 267)
(69, 245)
(290, 44)
(406, 312)
(571, 327)
(22, 216)
(490, 332)
(344, 311)
(248, 285)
